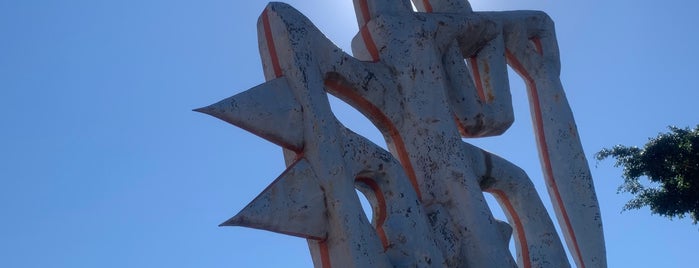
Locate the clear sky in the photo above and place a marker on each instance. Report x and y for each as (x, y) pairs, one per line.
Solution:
(102, 163)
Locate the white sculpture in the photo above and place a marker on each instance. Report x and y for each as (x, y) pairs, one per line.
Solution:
(409, 77)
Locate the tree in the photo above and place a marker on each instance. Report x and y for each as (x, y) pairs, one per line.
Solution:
(670, 163)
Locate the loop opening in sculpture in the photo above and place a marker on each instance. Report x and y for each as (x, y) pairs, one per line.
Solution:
(373, 194)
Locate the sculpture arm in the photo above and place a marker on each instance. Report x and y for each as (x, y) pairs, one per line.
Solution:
(536, 240)
(532, 51)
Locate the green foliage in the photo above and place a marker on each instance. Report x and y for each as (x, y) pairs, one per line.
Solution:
(670, 162)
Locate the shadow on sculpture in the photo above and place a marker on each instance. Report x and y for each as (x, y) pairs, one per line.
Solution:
(425, 79)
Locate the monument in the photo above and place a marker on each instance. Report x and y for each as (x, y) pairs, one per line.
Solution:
(426, 79)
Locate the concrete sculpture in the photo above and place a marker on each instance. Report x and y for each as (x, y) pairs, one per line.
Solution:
(425, 79)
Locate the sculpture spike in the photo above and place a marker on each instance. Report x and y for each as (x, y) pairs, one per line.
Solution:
(268, 110)
(202, 110)
(293, 204)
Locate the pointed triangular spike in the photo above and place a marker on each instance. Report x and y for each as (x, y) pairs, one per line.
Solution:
(293, 204)
(268, 110)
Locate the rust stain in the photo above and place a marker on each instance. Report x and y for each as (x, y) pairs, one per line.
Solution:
(488, 86)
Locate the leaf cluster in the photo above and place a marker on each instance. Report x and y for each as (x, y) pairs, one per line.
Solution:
(670, 162)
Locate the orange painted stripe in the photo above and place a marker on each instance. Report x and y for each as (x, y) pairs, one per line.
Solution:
(381, 213)
(428, 6)
(462, 129)
(270, 45)
(364, 8)
(324, 254)
(543, 148)
(369, 43)
(383, 121)
(366, 34)
(272, 51)
(521, 237)
(477, 78)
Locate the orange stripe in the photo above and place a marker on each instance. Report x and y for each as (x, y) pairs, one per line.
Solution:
(428, 6)
(521, 237)
(366, 35)
(364, 7)
(272, 51)
(270, 45)
(543, 147)
(324, 254)
(381, 213)
(462, 129)
(369, 43)
(477, 78)
(383, 121)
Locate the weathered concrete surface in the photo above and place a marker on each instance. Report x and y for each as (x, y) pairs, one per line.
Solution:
(532, 51)
(425, 80)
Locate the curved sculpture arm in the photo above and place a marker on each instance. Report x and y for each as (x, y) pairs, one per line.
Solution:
(536, 240)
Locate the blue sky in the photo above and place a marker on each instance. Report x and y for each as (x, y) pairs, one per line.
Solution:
(103, 164)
